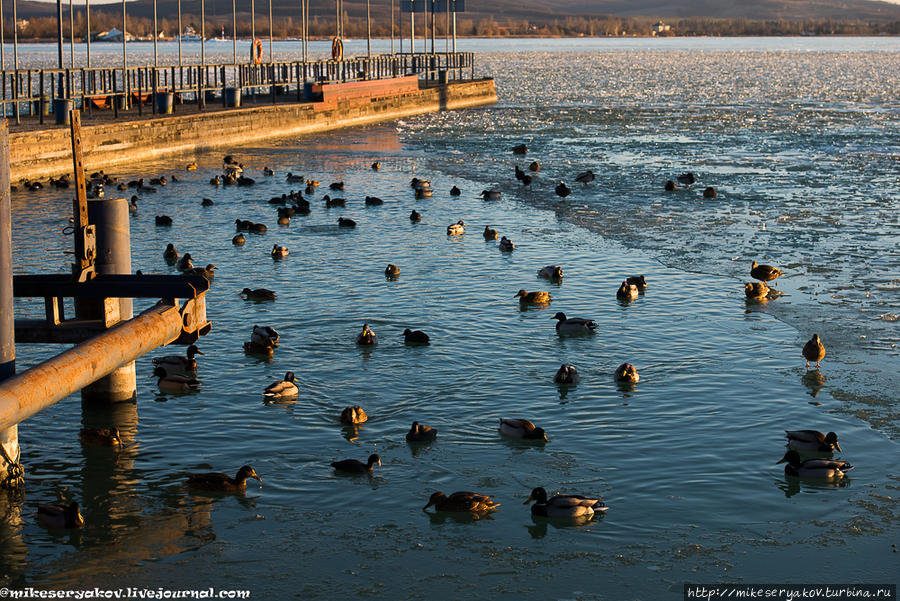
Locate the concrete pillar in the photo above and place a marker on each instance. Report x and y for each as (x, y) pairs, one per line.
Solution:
(11, 472)
(110, 217)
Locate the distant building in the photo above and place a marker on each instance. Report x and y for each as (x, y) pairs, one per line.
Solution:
(660, 28)
(113, 35)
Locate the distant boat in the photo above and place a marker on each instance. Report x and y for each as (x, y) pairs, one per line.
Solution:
(190, 35)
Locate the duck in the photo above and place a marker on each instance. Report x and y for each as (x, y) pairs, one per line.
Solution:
(424, 191)
(506, 244)
(456, 229)
(60, 516)
(812, 440)
(354, 466)
(417, 183)
(686, 178)
(336, 185)
(220, 481)
(354, 415)
(764, 273)
(163, 220)
(563, 506)
(562, 190)
(283, 220)
(376, 166)
(178, 364)
(415, 337)
(461, 502)
(551, 272)
(520, 149)
(415, 216)
(185, 262)
(373, 201)
(259, 348)
(709, 192)
(573, 325)
(534, 166)
(489, 233)
(522, 428)
(637, 280)
(538, 297)
(585, 177)
(492, 194)
(391, 271)
(207, 272)
(567, 374)
(367, 336)
(828, 469)
(421, 433)
(206, 202)
(258, 228)
(238, 240)
(216, 181)
(173, 382)
(170, 254)
(133, 205)
(268, 172)
(627, 292)
(100, 437)
(279, 252)
(346, 222)
(258, 294)
(294, 179)
(670, 186)
(454, 191)
(158, 181)
(756, 290)
(283, 389)
(627, 373)
(265, 335)
(334, 202)
(518, 172)
(814, 350)
(242, 225)
(191, 166)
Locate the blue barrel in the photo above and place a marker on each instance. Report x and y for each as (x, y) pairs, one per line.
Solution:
(165, 103)
(233, 97)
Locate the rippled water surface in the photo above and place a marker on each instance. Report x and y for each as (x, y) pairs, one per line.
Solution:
(801, 144)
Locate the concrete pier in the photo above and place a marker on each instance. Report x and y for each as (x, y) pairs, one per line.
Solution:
(45, 152)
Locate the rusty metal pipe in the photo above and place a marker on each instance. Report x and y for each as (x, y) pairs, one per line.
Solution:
(51, 381)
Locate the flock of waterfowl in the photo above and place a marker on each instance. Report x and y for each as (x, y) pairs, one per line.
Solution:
(177, 374)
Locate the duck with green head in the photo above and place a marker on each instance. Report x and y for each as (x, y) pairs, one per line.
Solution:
(522, 428)
(220, 481)
(828, 469)
(563, 506)
(60, 516)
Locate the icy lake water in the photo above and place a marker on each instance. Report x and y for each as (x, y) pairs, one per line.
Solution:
(799, 137)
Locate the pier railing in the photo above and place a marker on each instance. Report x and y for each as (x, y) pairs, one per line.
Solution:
(34, 92)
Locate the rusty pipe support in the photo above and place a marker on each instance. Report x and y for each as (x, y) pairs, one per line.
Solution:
(51, 381)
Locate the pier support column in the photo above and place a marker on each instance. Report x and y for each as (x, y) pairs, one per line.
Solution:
(11, 472)
(110, 217)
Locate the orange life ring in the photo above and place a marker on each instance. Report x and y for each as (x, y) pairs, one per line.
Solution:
(337, 49)
(256, 51)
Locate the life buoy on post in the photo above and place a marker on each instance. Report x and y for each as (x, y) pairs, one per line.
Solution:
(337, 49)
(256, 51)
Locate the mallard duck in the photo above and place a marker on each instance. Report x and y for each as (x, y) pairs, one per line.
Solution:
(216, 181)
(538, 297)
(520, 149)
(686, 178)
(279, 252)
(461, 502)
(518, 172)
(185, 262)
(391, 271)
(268, 172)
(283, 220)
(551, 272)
(238, 240)
(637, 280)
(415, 216)
(627, 373)
(334, 202)
(208, 272)
(336, 185)
(522, 428)
(376, 166)
(354, 415)
(101, 437)
(373, 201)
(456, 229)
(562, 190)
(489, 233)
(220, 481)
(756, 290)
(294, 179)
(346, 222)
(163, 220)
(259, 348)
(573, 325)
(206, 202)
(671, 186)
(265, 335)
(60, 516)
(709, 192)
(258, 228)
(191, 166)
(813, 468)
(258, 294)
(812, 440)
(353, 466)
(420, 433)
(814, 350)
(492, 194)
(534, 166)
(764, 273)
(454, 191)
(173, 382)
(415, 337)
(133, 205)
(242, 225)
(563, 506)
(566, 374)
(283, 389)
(506, 244)
(585, 177)
(170, 254)
(177, 364)
(367, 336)
(627, 292)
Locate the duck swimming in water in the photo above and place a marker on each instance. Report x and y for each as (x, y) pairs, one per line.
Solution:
(391, 271)
(415, 337)
(279, 252)
(489, 234)
(637, 280)
(456, 229)
(627, 373)
(367, 336)
(421, 433)
(285, 388)
(812, 441)
(567, 374)
(551, 272)
(461, 502)
(538, 297)
(814, 350)
(60, 516)
(627, 292)
(562, 190)
(415, 216)
(354, 415)
(563, 506)
(686, 178)
(756, 290)
(346, 222)
(259, 294)
(506, 244)
(168, 383)
(100, 437)
(522, 428)
(828, 469)
(573, 325)
(170, 254)
(585, 177)
(353, 466)
(220, 481)
(185, 262)
(178, 364)
(520, 149)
